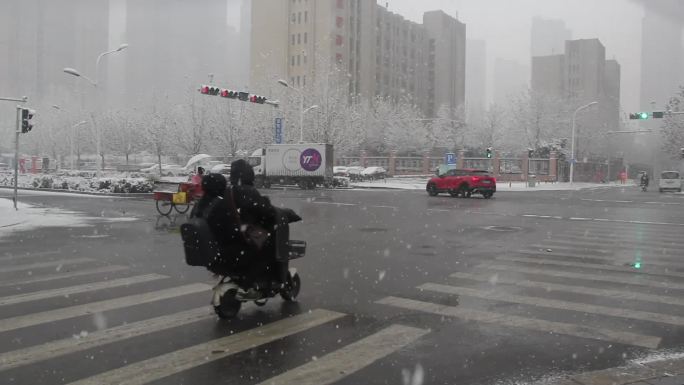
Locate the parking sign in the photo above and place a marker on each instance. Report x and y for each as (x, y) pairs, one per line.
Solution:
(450, 159)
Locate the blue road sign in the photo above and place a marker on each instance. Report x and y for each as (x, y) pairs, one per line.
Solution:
(450, 158)
(279, 130)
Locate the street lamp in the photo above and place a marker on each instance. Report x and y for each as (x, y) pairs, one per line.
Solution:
(302, 111)
(572, 145)
(73, 134)
(94, 83)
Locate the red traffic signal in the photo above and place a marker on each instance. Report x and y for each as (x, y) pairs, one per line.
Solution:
(257, 99)
(229, 94)
(209, 90)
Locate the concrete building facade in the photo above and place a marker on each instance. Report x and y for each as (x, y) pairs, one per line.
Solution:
(372, 51)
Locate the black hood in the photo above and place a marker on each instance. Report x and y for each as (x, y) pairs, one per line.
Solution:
(214, 184)
(241, 173)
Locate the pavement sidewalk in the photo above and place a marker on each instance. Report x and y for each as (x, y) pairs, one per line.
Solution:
(666, 371)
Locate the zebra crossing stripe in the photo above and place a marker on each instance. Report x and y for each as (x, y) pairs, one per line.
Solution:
(54, 277)
(613, 242)
(620, 258)
(638, 280)
(614, 294)
(70, 345)
(23, 321)
(51, 293)
(13, 257)
(40, 265)
(175, 362)
(351, 358)
(631, 236)
(524, 323)
(555, 304)
(621, 269)
(627, 228)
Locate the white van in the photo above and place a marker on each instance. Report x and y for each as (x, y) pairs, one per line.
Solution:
(670, 181)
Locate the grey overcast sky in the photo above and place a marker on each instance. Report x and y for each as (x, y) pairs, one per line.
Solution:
(506, 24)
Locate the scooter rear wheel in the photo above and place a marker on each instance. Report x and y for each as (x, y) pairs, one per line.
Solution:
(229, 306)
(292, 286)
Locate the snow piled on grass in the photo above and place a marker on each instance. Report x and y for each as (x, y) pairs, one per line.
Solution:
(118, 184)
(29, 217)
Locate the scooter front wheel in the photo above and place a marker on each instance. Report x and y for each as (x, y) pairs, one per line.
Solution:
(291, 289)
(229, 306)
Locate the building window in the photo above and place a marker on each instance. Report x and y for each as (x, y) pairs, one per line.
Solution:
(340, 4)
(306, 58)
(293, 19)
(338, 57)
(293, 39)
(339, 22)
(299, 18)
(306, 35)
(299, 38)
(338, 40)
(292, 62)
(299, 60)
(306, 16)
(304, 81)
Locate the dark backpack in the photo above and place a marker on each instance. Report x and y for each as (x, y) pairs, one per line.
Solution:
(199, 243)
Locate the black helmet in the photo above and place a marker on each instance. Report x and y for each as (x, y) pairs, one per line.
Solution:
(214, 184)
(241, 173)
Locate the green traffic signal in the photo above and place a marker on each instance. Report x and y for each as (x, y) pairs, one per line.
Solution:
(643, 115)
(639, 116)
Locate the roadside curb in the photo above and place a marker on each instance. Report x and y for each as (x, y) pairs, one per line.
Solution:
(114, 195)
(662, 372)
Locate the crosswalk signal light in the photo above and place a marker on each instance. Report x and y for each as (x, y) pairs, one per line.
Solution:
(26, 116)
(257, 99)
(489, 152)
(638, 116)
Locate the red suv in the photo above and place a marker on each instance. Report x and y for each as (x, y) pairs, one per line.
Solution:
(463, 183)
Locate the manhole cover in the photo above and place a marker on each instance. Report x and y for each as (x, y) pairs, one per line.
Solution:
(503, 229)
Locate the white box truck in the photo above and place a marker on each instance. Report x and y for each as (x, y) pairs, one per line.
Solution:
(304, 164)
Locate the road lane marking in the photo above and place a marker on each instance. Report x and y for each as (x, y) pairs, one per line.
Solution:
(604, 200)
(608, 293)
(84, 288)
(577, 246)
(646, 260)
(638, 280)
(336, 365)
(165, 365)
(555, 304)
(15, 257)
(583, 265)
(335, 204)
(613, 243)
(605, 220)
(70, 345)
(23, 321)
(41, 265)
(580, 219)
(627, 225)
(54, 277)
(386, 207)
(524, 323)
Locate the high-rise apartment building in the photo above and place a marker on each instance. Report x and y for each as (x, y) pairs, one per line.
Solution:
(548, 74)
(585, 61)
(548, 36)
(370, 51)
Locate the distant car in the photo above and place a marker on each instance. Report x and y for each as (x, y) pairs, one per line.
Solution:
(221, 168)
(355, 172)
(341, 171)
(670, 181)
(373, 173)
(340, 181)
(166, 170)
(463, 183)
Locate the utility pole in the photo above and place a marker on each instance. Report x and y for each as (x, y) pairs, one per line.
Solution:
(17, 131)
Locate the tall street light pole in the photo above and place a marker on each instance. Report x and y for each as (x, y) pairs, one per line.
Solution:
(302, 111)
(572, 145)
(95, 83)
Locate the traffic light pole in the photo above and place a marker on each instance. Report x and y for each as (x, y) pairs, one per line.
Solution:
(17, 131)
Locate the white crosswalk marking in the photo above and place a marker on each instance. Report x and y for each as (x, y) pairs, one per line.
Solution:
(54, 277)
(175, 362)
(621, 269)
(638, 280)
(40, 265)
(617, 236)
(51, 293)
(619, 259)
(548, 286)
(555, 304)
(351, 358)
(18, 322)
(525, 323)
(65, 346)
(15, 257)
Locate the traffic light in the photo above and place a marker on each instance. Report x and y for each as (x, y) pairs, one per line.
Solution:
(26, 116)
(530, 152)
(229, 94)
(639, 116)
(681, 152)
(658, 114)
(209, 90)
(257, 99)
(489, 152)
